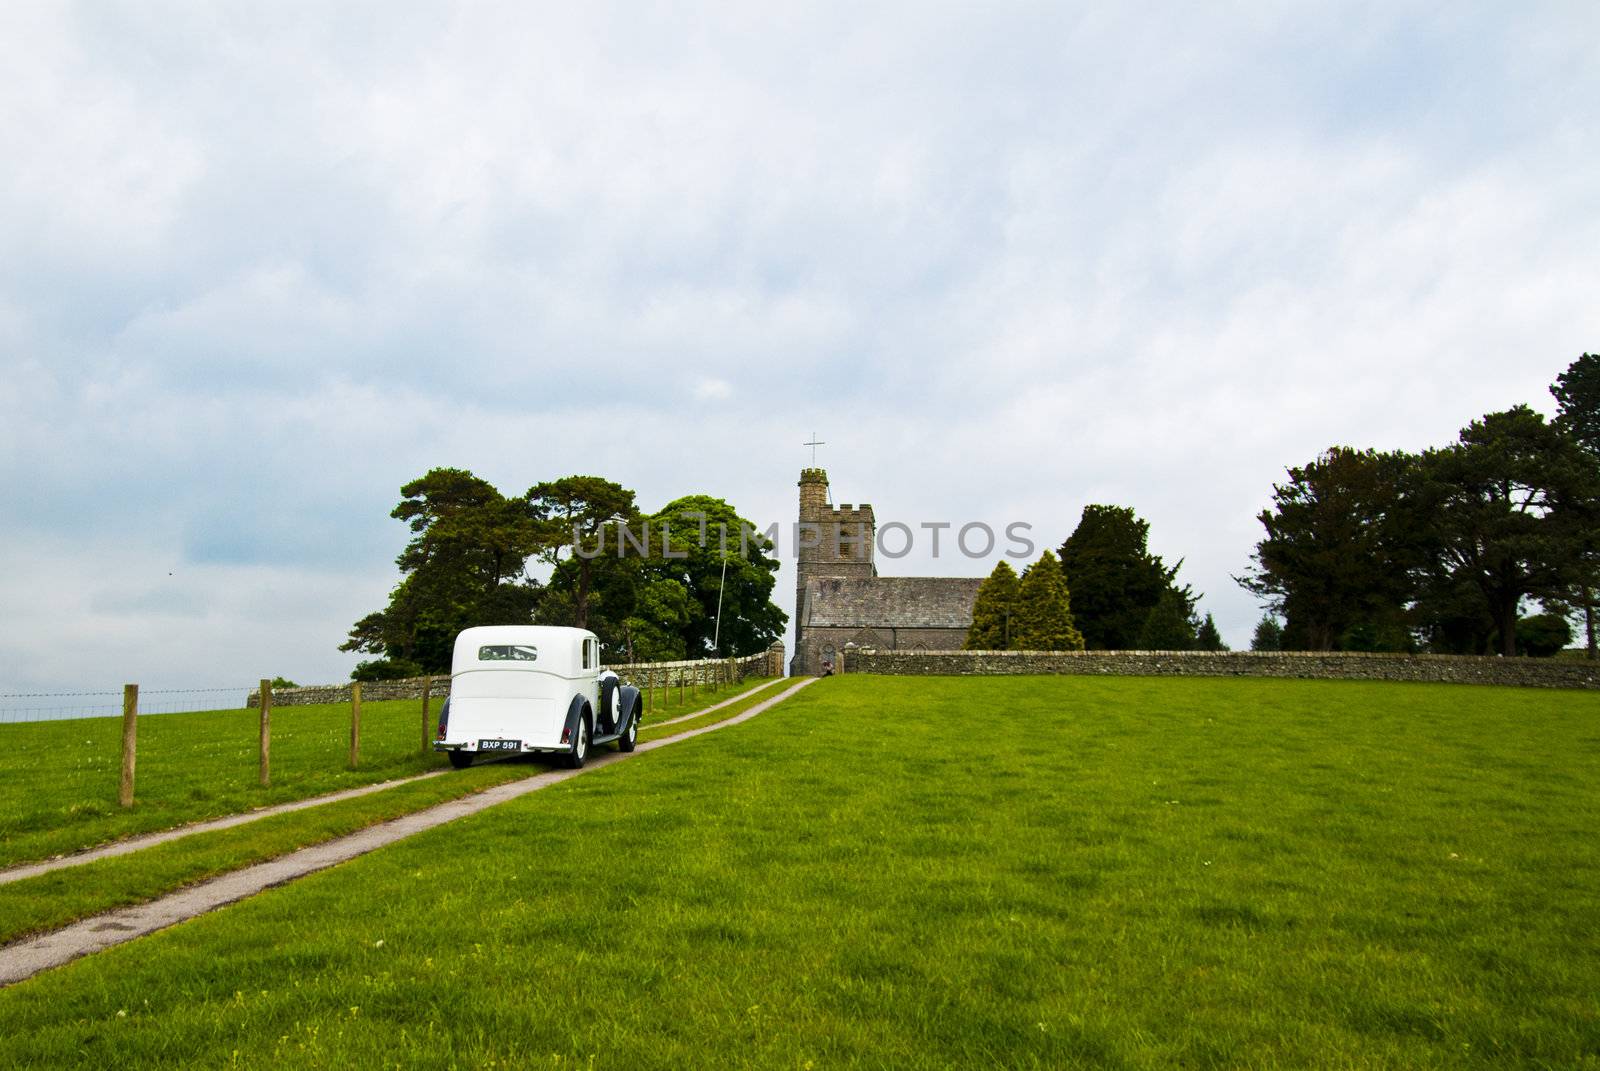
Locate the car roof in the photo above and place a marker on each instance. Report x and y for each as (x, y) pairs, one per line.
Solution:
(560, 646)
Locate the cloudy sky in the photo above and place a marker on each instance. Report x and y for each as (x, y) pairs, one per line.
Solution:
(263, 264)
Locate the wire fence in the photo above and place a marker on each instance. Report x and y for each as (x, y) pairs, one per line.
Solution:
(60, 706)
(75, 771)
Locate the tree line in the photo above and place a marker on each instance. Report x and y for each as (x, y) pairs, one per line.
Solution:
(1444, 550)
(651, 586)
(1102, 591)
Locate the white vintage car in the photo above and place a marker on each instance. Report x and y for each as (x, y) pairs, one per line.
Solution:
(516, 689)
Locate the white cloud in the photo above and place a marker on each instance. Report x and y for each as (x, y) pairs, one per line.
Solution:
(713, 390)
(263, 270)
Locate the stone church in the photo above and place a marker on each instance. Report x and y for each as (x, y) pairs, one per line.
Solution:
(841, 599)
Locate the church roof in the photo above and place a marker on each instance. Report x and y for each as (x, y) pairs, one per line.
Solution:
(891, 602)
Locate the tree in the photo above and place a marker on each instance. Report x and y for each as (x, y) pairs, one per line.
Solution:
(654, 631)
(699, 540)
(1170, 625)
(1543, 635)
(1577, 393)
(1453, 617)
(385, 669)
(1268, 636)
(1115, 579)
(1341, 547)
(1043, 618)
(993, 610)
(572, 512)
(1207, 638)
(1514, 504)
(609, 595)
(464, 565)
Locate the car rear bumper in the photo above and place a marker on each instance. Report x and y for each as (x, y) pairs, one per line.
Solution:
(472, 746)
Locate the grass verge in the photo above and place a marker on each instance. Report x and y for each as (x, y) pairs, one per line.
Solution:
(1029, 872)
(649, 732)
(693, 700)
(63, 896)
(52, 900)
(58, 779)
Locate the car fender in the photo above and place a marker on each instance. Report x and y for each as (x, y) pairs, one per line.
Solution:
(574, 712)
(628, 703)
(611, 715)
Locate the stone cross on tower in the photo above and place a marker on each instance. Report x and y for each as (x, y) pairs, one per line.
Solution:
(814, 443)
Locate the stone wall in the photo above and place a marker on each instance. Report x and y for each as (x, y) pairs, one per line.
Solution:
(1315, 665)
(769, 663)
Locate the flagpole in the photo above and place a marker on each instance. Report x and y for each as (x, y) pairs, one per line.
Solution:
(716, 639)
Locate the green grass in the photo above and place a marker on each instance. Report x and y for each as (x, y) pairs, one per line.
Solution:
(52, 900)
(58, 779)
(660, 710)
(882, 872)
(63, 896)
(656, 732)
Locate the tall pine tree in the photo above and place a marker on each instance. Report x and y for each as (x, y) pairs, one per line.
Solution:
(1577, 392)
(1269, 635)
(1207, 637)
(1116, 581)
(1043, 620)
(993, 610)
(1170, 626)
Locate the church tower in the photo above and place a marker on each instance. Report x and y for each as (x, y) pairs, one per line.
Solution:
(830, 542)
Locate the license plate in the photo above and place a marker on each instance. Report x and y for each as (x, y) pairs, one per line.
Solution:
(499, 745)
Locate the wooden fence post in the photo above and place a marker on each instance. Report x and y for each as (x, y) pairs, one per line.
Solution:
(266, 732)
(427, 696)
(130, 739)
(355, 723)
(680, 673)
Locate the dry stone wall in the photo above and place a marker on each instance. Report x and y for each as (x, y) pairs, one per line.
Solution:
(1314, 665)
(659, 674)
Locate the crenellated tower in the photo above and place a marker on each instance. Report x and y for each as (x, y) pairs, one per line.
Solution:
(831, 541)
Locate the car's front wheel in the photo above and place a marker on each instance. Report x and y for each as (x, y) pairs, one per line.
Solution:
(579, 754)
(630, 736)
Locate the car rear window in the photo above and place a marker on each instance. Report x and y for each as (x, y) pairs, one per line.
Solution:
(508, 652)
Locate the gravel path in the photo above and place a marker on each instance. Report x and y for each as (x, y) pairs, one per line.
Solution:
(714, 706)
(23, 959)
(133, 844)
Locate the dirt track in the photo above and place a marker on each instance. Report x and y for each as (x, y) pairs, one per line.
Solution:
(28, 957)
(133, 844)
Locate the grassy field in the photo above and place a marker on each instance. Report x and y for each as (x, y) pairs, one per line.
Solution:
(51, 900)
(1027, 872)
(58, 779)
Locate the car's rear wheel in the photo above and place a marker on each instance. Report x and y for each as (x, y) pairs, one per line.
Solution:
(460, 759)
(575, 758)
(630, 737)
